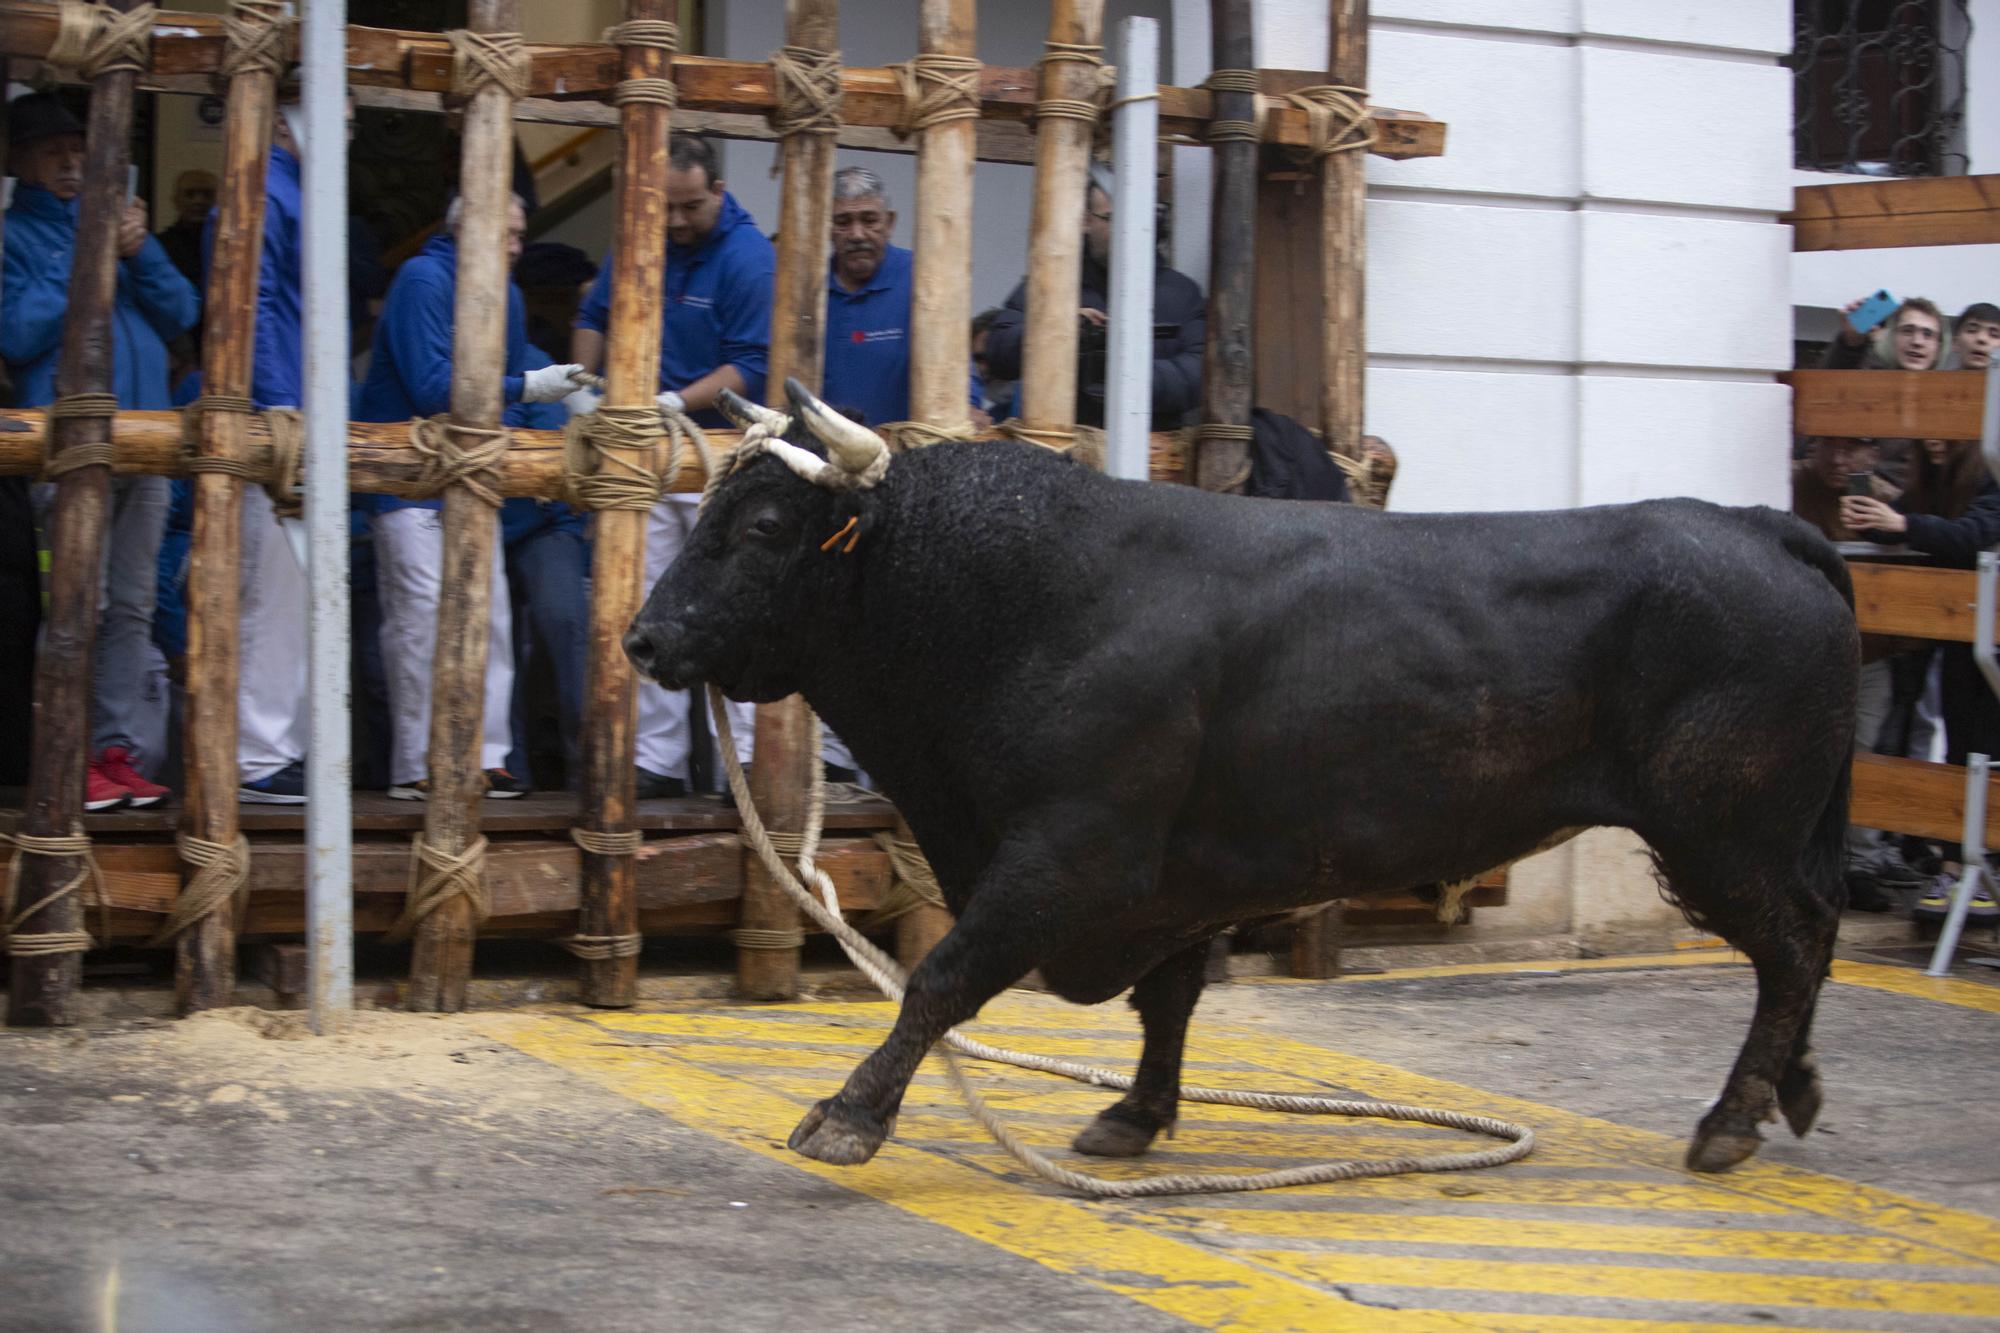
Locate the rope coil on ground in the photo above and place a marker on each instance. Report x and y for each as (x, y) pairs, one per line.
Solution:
(48, 943)
(1337, 120)
(436, 877)
(449, 461)
(883, 971)
(77, 407)
(221, 881)
(806, 82)
(259, 39)
(488, 59)
(94, 39)
(952, 92)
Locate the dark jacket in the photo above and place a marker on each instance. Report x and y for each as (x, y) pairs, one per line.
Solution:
(1952, 543)
(1177, 302)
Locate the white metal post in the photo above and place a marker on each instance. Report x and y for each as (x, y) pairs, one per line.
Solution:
(1135, 134)
(329, 768)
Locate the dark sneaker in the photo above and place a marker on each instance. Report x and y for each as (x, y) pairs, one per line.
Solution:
(1865, 895)
(1893, 873)
(651, 785)
(287, 786)
(420, 790)
(503, 786)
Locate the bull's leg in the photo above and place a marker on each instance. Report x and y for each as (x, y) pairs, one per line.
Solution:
(1165, 999)
(1798, 1087)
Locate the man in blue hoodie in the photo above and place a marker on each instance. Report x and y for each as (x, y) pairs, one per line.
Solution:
(154, 304)
(409, 376)
(715, 335)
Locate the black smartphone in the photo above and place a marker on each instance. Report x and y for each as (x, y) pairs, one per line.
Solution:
(1861, 483)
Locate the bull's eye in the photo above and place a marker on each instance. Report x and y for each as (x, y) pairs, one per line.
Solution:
(766, 526)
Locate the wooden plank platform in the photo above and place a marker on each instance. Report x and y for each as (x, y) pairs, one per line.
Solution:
(1888, 404)
(1867, 215)
(1914, 602)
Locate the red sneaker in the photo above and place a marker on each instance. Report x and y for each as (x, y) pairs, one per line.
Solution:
(100, 792)
(116, 763)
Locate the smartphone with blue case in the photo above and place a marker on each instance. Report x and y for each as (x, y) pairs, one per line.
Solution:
(1872, 311)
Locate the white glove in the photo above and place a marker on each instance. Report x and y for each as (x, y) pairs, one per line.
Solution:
(583, 402)
(549, 384)
(671, 402)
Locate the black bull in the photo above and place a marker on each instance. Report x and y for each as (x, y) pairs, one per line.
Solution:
(1120, 717)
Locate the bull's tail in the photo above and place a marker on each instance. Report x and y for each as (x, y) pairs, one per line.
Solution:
(1824, 863)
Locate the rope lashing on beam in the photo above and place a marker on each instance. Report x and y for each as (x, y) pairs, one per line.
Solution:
(449, 460)
(221, 881)
(1222, 130)
(1337, 120)
(488, 59)
(806, 83)
(903, 436)
(436, 877)
(1074, 108)
(78, 407)
(1219, 431)
(937, 89)
(286, 427)
(45, 944)
(1085, 444)
(597, 948)
(656, 34)
(913, 885)
(94, 39)
(260, 39)
(623, 842)
(767, 941)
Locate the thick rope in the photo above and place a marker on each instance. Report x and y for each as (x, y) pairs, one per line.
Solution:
(806, 82)
(597, 948)
(47, 944)
(883, 971)
(286, 427)
(913, 884)
(221, 882)
(486, 59)
(906, 435)
(1368, 477)
(624, 842)
(436, 878)
(1221, 130)
(766, 941)
(937, 89)
(1337, 120)
(448, 461)
(626, 443)
(258, 33)
(1074, 108)
(660, 35)
(77, 407)
(94, 39)
(1060, 439)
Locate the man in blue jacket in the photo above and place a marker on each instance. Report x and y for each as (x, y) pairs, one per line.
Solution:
(715, 335)
(153, 304)
(409, 376)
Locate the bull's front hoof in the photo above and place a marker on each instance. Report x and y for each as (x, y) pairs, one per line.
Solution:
(1109, 1136)
(837, 1135)
(1714, 1150)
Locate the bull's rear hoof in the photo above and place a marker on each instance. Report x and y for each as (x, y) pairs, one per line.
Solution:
(1801, 1107)
(1714, 1151)
(836, 1135)
(1110, 1137)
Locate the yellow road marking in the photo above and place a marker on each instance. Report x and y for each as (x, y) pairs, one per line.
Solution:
(1909, 981)
(1692, 957)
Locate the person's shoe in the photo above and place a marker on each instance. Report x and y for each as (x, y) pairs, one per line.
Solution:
(503, 786)
(651, 785)
(100, 793)
(839, 773)
(116, 763)
(1864, 894)
(1893, 873)
(420, 790)
(287, 786)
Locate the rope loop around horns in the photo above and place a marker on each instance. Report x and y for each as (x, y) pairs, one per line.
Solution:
(96, 39)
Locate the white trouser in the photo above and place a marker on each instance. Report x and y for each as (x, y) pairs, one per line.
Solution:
(409, 560)
(271, 713)
(663, 714)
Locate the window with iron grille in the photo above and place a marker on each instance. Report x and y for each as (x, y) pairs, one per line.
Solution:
(1878, 86)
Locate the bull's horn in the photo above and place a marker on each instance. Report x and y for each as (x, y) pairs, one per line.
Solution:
(742, 413)
(802, 461)
(855, 447)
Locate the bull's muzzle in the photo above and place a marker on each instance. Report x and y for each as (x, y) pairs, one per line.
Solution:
(643, 651)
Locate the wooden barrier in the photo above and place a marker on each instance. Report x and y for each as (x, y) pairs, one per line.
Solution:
(1888, 404)
(1866, 215)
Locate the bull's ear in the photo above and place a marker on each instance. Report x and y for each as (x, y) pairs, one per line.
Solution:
(742, 413)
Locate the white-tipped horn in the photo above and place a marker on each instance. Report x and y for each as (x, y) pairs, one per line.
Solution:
(802, 461)
(857, 449)
(742, 413)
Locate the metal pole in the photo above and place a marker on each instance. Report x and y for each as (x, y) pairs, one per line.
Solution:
(1989, 424)
(1972, 842)
(1135, 133)
(329, 768)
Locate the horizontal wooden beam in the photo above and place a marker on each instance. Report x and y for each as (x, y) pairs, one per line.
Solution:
(1922, 799)
(192, 44)
(1868, 215)
(380, 459)
(1888, 404)
(1911, 602)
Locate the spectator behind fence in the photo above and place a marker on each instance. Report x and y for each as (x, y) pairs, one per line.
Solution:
(1950, 512)
(409, 376)
(1911, 338)
(194, 196)
(997, 396)
(1975, 337)
(715, 335)
(153, 304)
(1179, 321)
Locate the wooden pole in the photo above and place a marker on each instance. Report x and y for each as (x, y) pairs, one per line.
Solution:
(785, 756)
(1055, 232)
(1344, 248)
(631, 378)
(1222, 464)
(441, 962)
(205, 953)
(941, 280)
(43, 990)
